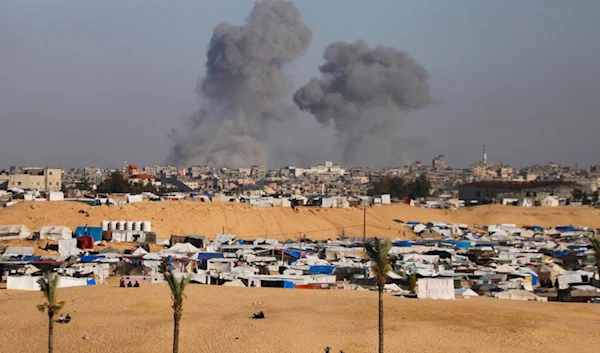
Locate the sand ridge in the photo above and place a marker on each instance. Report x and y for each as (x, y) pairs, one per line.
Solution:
(249, 222)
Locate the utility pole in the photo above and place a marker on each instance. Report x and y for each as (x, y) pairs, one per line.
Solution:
(364, 224)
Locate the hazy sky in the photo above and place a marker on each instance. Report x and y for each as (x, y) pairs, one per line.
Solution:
(97, 83)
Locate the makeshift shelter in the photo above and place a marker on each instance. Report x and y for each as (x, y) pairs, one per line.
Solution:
(55, 232)
(17, 251)
(465, 292)
(94, 232)
(519, 294)
(67, 247)
(550, 201)
(14, 231)
(181, 248)
(140, 251)
(436, 288)
(85, 242)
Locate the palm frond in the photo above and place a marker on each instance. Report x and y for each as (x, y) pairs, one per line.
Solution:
(378, 251)
(177, 287)
(48, 287)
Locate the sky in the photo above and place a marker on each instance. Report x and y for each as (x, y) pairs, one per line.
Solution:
(97, 83)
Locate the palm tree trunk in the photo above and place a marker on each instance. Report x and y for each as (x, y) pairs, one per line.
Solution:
(380, 319)
(50, 334)
(176, 318)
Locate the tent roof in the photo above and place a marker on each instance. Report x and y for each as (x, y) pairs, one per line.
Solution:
(182, 248)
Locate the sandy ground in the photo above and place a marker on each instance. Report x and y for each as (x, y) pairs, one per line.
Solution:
(217, 319)
(186, 217)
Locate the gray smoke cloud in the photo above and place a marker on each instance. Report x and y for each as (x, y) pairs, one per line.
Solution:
(366, 93)
(243, 89)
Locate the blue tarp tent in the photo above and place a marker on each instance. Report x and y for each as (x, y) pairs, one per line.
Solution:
(32, 258)
(322, 269)
(403, 243)
(565, 228)
(90, 258)
(205, 256)
(91, 282)
(94, 232)
(288, 284)
(293, 253)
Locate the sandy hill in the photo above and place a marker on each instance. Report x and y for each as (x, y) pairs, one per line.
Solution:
(187, 217)
(217, 319)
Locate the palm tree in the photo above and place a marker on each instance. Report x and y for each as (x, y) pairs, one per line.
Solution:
(177, 287)
(378, 251)
(52, 306)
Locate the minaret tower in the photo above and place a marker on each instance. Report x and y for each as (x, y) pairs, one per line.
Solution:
(484, 155)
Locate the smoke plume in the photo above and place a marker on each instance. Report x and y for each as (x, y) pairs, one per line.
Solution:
(243, 89)
(367, 93)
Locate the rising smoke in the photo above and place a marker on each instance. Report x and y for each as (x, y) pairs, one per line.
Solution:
(367, 94)
(243, 90)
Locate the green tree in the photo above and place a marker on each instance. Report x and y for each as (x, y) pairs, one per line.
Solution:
(115, 184)
(51, 306)
(378, 251)
(398, 188)
(177, 286)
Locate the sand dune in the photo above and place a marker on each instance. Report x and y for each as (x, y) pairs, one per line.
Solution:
(217, 319)
(186, 217)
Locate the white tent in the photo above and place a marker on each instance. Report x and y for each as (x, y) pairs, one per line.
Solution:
(523, 203)
(55, 232)
(550, 201)
(519, 294)
(14, 231)
(67, 247)
(16, 251)
(139, 252)
(181, 248)
(436, 288)
(465, 292)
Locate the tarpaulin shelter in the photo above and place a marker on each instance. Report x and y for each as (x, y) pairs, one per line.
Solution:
(67, 247)
(14, 231)
(16, 251)
(436, 288)
(181, 248)
(55, 232)
(322, 269)
(204, 256)
(85, 242)
(519, 294)
(94, 232)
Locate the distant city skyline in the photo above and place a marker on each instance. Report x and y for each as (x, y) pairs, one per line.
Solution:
(97, 83)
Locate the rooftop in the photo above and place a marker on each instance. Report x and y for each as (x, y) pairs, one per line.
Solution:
(515, 185)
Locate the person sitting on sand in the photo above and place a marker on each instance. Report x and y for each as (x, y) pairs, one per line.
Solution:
(67, 319)
(122, 283)
(129, 285)
(137, 284)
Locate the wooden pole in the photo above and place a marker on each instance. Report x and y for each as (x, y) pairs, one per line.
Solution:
(364, 224)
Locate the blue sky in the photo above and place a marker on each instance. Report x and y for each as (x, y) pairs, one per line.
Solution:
(98, 83)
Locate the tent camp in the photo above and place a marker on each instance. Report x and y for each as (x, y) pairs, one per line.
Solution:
(14, 231)
(55, 232)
